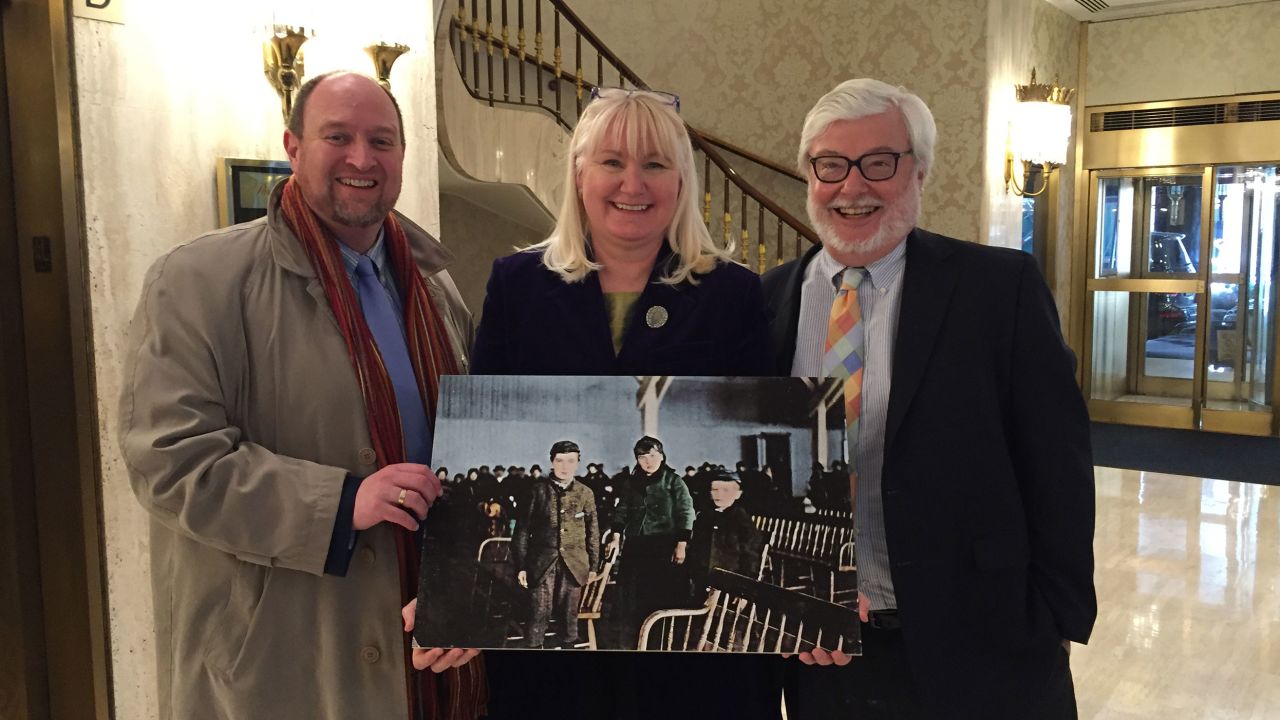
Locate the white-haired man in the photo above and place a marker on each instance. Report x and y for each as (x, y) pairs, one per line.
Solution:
(968, 437)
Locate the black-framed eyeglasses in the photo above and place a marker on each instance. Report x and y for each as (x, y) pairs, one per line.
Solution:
(619, 92)
(874, 166)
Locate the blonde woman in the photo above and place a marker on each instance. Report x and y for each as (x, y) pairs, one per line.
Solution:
(629, 282)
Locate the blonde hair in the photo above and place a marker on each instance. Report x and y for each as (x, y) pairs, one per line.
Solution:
(642, 120)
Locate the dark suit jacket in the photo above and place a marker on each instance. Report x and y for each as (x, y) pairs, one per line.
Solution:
(725, 539)
(557, 524)
(988, 475)
(716, 327)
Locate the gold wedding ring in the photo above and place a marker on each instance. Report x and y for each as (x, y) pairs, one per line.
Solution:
(400, 500)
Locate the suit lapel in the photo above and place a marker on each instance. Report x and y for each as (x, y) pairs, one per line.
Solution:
(581, 305)
(680, 304)
(928, 282)
(785, 305)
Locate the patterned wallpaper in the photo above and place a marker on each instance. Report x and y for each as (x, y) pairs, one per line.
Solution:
(1222, 51)
(749, 70)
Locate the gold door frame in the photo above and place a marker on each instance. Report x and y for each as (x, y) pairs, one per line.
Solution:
(1153, 151)
(1242, 422)
(1200, 415)
(64, 640)
(1156, 415)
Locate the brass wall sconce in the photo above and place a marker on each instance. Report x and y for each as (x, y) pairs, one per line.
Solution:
(384, 55)
(282, 63)
(1038, 134)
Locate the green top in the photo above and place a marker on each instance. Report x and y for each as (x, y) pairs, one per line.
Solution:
(618, 305)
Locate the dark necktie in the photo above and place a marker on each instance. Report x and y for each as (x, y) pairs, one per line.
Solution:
(387, 332)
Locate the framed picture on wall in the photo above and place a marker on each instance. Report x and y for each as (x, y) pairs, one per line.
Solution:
(634, 513)
(244, 185)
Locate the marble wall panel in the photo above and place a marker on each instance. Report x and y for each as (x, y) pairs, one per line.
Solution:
(1022, 35)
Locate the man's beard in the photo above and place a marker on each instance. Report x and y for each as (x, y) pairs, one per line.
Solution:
(899, 219)
(345, 215)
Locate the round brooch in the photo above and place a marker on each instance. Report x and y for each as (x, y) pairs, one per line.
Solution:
(656, 317)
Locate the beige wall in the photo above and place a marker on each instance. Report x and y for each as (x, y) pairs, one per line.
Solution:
(477, 236)
(161, 98)
(1223, 51)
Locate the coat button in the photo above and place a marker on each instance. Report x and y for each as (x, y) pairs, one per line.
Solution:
(370, 654)
(367, 555)
(367, 456)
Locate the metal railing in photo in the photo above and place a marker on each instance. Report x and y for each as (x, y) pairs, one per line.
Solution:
(743, 615)
(529, 59)
(812, 557)
(837, 516)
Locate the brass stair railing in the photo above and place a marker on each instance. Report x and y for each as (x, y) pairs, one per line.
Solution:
(497, 71)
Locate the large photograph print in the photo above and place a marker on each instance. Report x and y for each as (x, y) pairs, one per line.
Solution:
(648, 513)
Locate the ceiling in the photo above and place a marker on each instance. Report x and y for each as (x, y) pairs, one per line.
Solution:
(1100, 10)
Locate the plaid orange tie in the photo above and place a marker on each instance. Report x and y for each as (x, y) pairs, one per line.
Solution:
(842, 358)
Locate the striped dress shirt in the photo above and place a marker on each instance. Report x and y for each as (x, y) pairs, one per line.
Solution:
(386, 277)
(879, 298)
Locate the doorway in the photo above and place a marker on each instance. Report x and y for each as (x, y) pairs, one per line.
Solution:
(1180, 301)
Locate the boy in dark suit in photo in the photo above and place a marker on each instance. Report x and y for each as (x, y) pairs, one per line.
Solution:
(556, 547)
(723, 537)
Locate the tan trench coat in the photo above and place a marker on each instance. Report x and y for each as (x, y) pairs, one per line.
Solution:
(240, 419)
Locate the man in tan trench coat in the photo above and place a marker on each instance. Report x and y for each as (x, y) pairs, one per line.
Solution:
(274, 563)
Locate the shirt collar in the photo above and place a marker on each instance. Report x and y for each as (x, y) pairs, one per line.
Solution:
(377, 253)
(882, 272)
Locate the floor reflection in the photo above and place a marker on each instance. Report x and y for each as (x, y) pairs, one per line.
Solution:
(1188, 577)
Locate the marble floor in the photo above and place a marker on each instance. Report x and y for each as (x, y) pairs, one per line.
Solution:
(1188, 578)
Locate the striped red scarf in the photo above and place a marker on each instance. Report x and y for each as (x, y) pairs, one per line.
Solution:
(457, 694)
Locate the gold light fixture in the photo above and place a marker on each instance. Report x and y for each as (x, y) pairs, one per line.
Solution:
(1038, 133)
(384, 55)
(282, 63)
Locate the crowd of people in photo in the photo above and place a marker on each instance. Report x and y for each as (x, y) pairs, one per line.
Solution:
(496, 492)
(484, 501)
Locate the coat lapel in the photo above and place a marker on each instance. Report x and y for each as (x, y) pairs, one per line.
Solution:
(926, 292)
(784, 304)
(585, 325)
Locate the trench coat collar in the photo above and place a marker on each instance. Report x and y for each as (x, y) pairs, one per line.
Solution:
(287, 250)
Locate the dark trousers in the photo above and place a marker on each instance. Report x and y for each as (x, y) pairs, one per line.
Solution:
(648, 581)
(878, 686)
(556, 592)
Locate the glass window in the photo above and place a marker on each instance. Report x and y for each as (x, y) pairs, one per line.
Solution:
(1242, 305)
(1115, 227)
